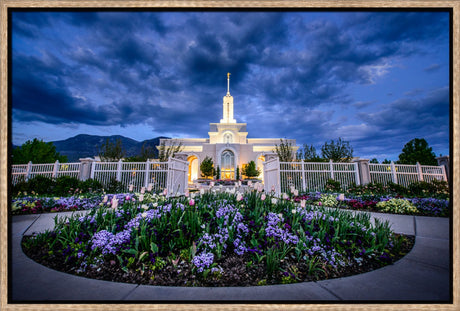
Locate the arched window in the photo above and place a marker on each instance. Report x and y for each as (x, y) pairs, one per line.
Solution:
(228, 138)
(227, 164)
(228, 159)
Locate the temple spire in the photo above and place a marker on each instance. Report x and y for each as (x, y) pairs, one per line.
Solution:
(228, 83)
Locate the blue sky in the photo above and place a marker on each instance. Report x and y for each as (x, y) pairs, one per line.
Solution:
(376, 79)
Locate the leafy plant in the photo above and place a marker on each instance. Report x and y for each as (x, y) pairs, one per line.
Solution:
(340, 151)
(110, 151)
(397, 206)
(332, 186)
(284, 151)
(250, 170)
(207, 167)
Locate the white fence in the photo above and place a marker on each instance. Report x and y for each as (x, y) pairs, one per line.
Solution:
(23, 172)
(308, 176)
(171, 175)
(405, 174)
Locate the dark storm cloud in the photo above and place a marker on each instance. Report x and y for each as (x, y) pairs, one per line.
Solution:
(168, 70)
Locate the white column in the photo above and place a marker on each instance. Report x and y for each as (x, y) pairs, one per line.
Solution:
(119, 170)
(56, 168)
(331, 166)
(419, 171)
(147, 173)
(393, 172)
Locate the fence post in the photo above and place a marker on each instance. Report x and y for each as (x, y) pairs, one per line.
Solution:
(29, 170)
(93, 168)
(55, 169)
(364, 174)
(119, 170)
(278, 177)
(304, 176)
(147, 173)
(393, 172)
(443, 170)
(332, 168)
(357, 179)
(419, 171)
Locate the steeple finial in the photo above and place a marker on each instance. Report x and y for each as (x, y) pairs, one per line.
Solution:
(228, 83)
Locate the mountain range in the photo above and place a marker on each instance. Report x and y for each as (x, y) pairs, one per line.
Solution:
(83, 145)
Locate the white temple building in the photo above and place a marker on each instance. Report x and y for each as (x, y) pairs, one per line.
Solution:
(227, 145)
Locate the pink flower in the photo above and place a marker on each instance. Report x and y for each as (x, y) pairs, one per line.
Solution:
(165, 192)
(320, 203)
(239, 197)
(191, 202)
(262, 197)
(128, 198)
(303, 203)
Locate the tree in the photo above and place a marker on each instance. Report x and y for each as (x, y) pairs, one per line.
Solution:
(147, 152)
(374, 161)
(218, 172)
(169, 151)
(339, 151)
(310, 155)
(111, 152)
(207, 167)
(386, 161)
(250, 170)
(284, 151)
(36, 151)
(417, 150)
(237, 173)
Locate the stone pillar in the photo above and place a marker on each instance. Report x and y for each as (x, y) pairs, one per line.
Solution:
(85, 168)
(364, 173)
(444, 161)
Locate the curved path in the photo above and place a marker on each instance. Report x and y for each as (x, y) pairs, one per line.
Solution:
(424, 275)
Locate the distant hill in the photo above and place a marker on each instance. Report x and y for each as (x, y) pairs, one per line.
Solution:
(82, 146)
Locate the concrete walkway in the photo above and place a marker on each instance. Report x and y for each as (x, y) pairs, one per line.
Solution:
(424, 275)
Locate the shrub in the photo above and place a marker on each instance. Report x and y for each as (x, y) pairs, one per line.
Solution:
(397, 189)
(66, 185)
(41, 185)
(90, 185)
(397, 206)
(332, 186)
(328, 200)
(114, 186)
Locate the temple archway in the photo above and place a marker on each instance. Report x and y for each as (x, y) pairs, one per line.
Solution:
(192, 168)
(227, 161)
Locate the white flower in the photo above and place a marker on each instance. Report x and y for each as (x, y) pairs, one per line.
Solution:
(155, 204)
(239, 197)
(141, 198)
(114, 202)
(296, 192)
(149, 187)
(105, 199)
(292, 189)
(192, 195)
(143, 190)
(144, 214)
(201, 191)
(187, 193)
(285, 196)
(131, 187)
(341, 197)
(294, 211)
(249, 183)
(211, 184)
(145, 207)
(303, 203)
(274, 200)
(165, 192)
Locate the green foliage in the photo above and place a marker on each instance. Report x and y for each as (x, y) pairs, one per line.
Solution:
(328, 200)
(435, 188)
(90, 185)
(417, 150)
(250, 170)
(111, 152)
(207, 167)
(218, 172)
(41, 185)
(66, 185)
(397, 206)
(374, 161)
(237, 173)
(36, 151)
(310, 155)
(165, 152)
(386, 161)
(114, 186)
(284, 151)
(333, 186)
(340, 151)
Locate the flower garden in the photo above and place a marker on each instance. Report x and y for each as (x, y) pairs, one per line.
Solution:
(221, 238)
